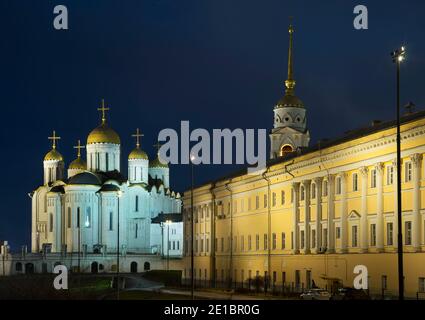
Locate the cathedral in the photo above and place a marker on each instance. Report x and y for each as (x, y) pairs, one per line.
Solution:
(93, 207)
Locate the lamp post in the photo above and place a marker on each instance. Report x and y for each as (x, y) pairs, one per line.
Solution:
(118, 246)
(398, 57)
(168, 223)
(192, 158)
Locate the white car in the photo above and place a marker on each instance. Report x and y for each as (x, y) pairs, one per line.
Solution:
(315, 294)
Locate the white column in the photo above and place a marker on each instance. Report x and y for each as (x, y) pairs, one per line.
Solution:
(331, 214)
(307, 186)
(295, 217)
(416, 221)
(318, 183)
(363, 215)
(344, 226)
(379, 167)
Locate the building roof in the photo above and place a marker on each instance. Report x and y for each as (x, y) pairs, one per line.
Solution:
(375, 127)
(162, 217)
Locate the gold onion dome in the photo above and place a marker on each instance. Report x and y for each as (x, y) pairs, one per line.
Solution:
(78, 164)
(103, 134)
(157, 164)
(137, 154)
(289, 99)
(53, 155)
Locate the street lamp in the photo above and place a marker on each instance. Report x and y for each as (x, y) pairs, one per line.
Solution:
(398, 57)
(192, 158)
(168, 223)
(118, 246)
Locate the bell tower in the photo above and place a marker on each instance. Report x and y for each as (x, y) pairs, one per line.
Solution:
(290, 131)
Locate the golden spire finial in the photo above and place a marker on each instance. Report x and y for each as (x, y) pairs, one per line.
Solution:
(54, 138)
(79, 147)
(290, 82)
(103, 109)
(137, 135)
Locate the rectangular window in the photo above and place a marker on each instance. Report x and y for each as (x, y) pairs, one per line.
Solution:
(354, 236)
(338, 232)
(373, 235)
(408, 233)
(257, 242)
(325, 188)
(274, 199)
(313, 238)
(355, 182)
(242, 243)
(282, 197)
(51, 223)
(249, 243)
(249, 204)
(283, 240)
(242, 205)
(69, 217)
(78, 217)
(110, 221)
(338, 185)
(202, 245)
(87, 223)
(408, 171)
(257, 202)
(325, 237)
(265, 242)
(384, 282)
(421, 285)
(292, 240)
(302, 243)
(313, 191)
(265, 201)
(235, 243)
(390, 233)
(390, 175)
(274, 241)
(373, 179)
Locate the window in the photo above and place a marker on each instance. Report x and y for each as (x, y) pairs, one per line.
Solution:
(325, 188)
(292, 195)
(338, 232)
(202, 245)
(249, 243)
(282, 197)
(421, 285)
(257, 242)
(274, 241)
(235, 244)
(265, 201)
(249, 204)
(292, 240)
(390, 175)
(283, 240)
(110, 221)
(384, 282)
(78, 217)
(338, 185)
(207, 247)
(302, 193)
(222, 244)
(390, 232)
(274, 199)
(242, 206)
(408, 232)
(373, 179)
(242, 243)
(302, 239)
(257, 202)
(136, 227)
(69, 217)
(313, 191)
(313, 238)
(373, 235)
(408, 171)
(325, 237)
(265, 242)
(51, 223)
(355, 182)
(87, 223)
(354, 236)
(107, 162)
(136, 204)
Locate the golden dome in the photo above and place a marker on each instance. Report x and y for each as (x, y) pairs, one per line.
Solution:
(78, 164)
(103, 134)
(53, 155)
(138, 153)
(157, 163)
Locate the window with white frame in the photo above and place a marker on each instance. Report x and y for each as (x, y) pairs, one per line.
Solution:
(390, 233)
(408, 171)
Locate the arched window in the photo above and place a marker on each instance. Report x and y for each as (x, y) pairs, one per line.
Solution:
(87, 223)
(147, 266)
(18, 267)
(285, 149)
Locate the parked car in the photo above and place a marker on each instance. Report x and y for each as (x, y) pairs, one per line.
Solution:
(316, 294)
(350, 294)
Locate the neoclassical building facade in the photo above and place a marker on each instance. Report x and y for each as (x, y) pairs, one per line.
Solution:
(315, 214)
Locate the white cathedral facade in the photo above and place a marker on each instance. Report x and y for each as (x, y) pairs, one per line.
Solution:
(94, 208)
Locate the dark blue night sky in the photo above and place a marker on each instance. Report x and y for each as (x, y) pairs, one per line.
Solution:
(219, 64)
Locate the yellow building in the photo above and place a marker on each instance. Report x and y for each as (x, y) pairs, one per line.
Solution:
(316, 212)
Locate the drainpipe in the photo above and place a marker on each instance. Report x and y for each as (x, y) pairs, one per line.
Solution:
(269, 226)
(231, 234)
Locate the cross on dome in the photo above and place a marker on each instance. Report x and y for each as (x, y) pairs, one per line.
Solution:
(54, 137)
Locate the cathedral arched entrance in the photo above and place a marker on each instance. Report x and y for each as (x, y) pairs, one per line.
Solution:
(133, 267)
(29, 268)
(94, 267)
(147, 266)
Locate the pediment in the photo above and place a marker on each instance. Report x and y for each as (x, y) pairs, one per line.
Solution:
(354, 215)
